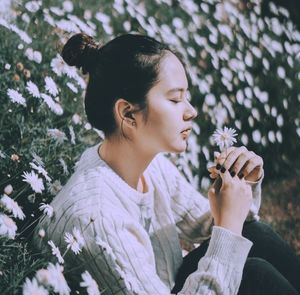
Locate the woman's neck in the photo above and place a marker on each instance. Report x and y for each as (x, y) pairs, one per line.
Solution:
(128, 161)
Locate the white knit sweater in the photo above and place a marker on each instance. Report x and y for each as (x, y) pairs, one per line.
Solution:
(131, 239)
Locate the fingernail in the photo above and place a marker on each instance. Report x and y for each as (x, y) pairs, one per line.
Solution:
(223, 169)
(240, 175)
(232, 173)
(218, 167)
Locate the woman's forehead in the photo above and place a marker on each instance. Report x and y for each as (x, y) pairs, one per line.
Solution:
(172, 74)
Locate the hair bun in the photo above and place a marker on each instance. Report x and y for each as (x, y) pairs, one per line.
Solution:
(81, 51)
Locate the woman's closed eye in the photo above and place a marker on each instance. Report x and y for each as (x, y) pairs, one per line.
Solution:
(175, 100)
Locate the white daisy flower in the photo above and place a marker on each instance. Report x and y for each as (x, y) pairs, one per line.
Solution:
(72, 134)
(16, 97)
(40, 170)
(35, 182)
(57, 135)
(43, 276)
(87, 15)
(87, 126)
(58, 65)
(12, 206)
(33, 89)
(58, 110)
(33, 6)
(53, 106)
(23, 35)
(32, 287)
(51, 86)
(37, 159)
(20, 46)
(7, 66)
(7, 226)
(57, 279)
(75, 241)
(29, 53)
(224, 138)
(8, 189)
(76, 119)
(89, 283)
(56, 252)
(72, 87)
(57, 11)
(42, 233)
(25, 17)
(47, 209)
(68, 6)
(37, 57)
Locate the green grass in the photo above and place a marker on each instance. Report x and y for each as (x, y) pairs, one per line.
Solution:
(281, 208)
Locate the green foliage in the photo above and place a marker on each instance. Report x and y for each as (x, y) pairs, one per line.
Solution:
(16, 263)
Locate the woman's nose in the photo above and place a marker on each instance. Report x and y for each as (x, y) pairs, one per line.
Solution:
(190, 112)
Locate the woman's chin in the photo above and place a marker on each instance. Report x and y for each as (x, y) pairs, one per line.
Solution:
(179, 148)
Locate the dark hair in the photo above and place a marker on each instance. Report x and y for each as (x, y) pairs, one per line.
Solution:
(126, 67)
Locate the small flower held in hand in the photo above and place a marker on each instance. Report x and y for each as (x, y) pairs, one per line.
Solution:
(89, 283)
(75, 241)
(224, 138)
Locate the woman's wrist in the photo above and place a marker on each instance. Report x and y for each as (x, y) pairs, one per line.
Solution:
(233, 226)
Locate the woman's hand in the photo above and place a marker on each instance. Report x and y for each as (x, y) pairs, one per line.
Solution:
(231, 202)
(238, 161)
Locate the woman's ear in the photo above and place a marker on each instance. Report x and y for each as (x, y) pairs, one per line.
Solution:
(124, 111)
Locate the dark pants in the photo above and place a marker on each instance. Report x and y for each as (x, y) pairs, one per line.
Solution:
(272, 267)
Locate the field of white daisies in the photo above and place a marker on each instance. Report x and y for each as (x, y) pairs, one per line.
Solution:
(244, 73)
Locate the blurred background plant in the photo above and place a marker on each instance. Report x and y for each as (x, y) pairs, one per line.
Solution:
(244, 72)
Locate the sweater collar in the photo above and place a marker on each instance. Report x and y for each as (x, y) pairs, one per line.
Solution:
(94, 159)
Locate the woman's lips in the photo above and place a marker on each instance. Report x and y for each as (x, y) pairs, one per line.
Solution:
(186, 132)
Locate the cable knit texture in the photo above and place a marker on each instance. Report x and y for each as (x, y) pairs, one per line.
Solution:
(132, 239)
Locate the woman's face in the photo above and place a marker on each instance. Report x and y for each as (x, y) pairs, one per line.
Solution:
(169, 111)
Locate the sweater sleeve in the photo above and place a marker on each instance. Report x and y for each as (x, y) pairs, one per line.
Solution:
(256, 194)
(119, 255)
(220, 270)
(191, 209)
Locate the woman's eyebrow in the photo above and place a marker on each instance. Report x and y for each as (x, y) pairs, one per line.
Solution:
(175, 90)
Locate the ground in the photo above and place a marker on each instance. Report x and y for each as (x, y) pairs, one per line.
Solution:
(281, 208)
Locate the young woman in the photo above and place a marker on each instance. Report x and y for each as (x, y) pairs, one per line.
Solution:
(127, 206)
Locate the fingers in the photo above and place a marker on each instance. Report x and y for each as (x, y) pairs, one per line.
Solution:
(255, 174)
(226, 178)
(226, 159)
(216, 155)
(213, 172)
(243, 161)
(211, 192)
(213, 175)
(239, 161)
(254, 170)
(222, 157)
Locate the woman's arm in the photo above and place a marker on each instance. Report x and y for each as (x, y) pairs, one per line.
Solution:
(120, 258)
(191, 209)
